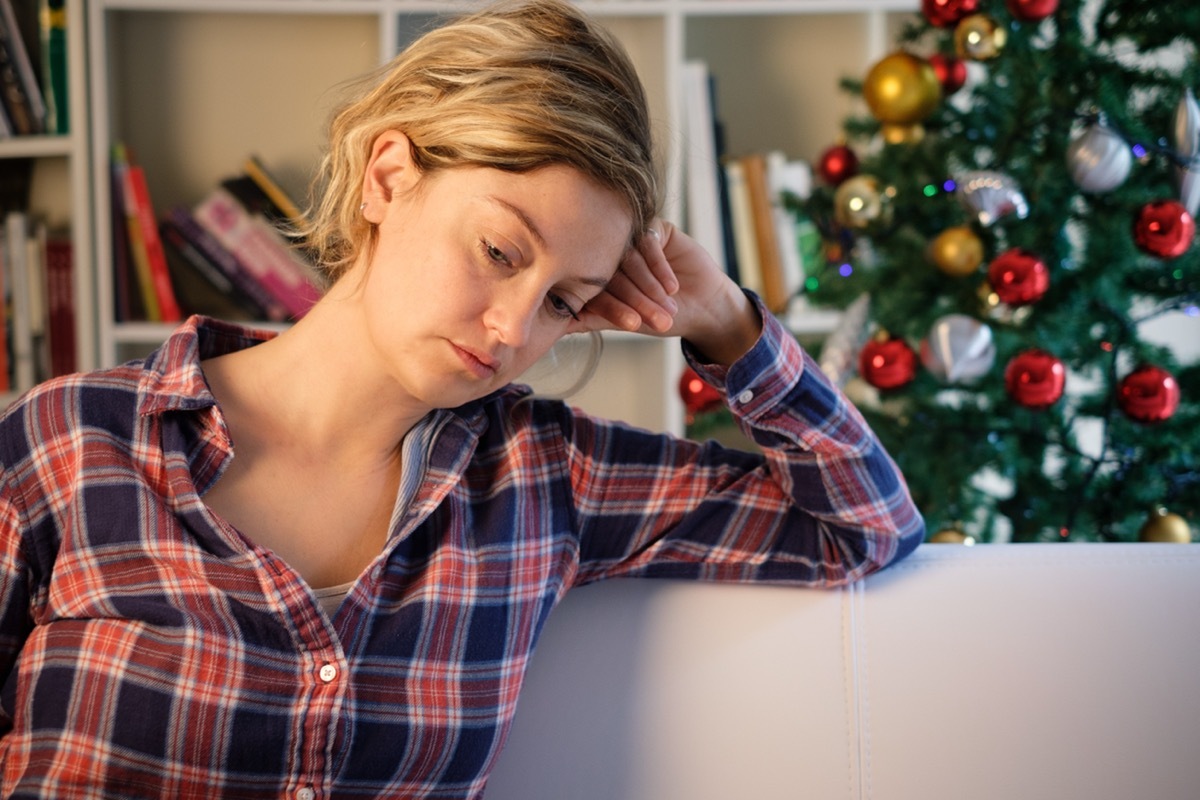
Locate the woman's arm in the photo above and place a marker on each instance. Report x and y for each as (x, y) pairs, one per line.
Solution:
(822, 504)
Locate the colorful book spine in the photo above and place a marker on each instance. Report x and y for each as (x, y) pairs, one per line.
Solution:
(261, 250)
(139, 257)
(52, 25)
(204, 252)
(160, 278)
(60, 304)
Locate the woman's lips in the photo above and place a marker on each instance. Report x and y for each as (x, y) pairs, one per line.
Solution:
(479, 364)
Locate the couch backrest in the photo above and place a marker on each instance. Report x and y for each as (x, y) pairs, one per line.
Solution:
(999, 672)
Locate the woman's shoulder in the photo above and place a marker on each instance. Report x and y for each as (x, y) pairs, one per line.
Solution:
(72, 400)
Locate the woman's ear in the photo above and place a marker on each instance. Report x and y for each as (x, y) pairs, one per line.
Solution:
(390, 170)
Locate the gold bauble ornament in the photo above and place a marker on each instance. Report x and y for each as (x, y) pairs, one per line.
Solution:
(951, 536)
(979, 37)
(895, 133)
(860, 202)
(902, 89)
(1163, 526)
(957, 251)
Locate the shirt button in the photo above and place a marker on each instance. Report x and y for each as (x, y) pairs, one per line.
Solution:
(327, 674)
(745, 397)
(307, 793)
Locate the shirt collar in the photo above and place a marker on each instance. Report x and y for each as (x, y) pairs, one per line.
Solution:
(171, 377)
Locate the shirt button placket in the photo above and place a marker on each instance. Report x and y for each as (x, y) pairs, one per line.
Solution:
(306, 793)
(327, 673)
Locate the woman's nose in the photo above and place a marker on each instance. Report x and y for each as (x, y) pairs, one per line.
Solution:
(511, 315)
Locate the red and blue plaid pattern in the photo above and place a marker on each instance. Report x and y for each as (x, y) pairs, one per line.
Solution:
(147, 650)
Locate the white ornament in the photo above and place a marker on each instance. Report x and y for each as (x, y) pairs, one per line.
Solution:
(990, 196)
(959, 349)
(1099, 159)
(1187, 147)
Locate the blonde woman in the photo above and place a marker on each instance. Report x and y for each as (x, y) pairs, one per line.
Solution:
(317, 564)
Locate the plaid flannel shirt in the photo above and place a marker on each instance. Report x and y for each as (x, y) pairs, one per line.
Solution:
(148, 650)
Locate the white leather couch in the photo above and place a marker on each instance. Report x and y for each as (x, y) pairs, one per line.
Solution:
(996, 672)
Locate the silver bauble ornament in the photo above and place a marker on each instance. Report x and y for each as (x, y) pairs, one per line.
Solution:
(1098, 159)
(990, 196)
(958, 349)
(1187, 147)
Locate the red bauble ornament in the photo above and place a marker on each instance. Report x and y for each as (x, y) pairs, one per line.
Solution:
(1148, 394)
(947, 13)
(697, 395)
(887, 363)
(1164, 229)
(951, 72)
(1035, 379)
(837, 164)
(1031, 10)
(1018, 277)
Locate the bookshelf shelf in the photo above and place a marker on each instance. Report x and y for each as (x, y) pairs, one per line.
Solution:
(194, 86)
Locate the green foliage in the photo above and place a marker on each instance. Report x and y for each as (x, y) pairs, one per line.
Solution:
(1080, 469)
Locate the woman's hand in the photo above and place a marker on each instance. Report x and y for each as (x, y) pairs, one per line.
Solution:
(669, 286)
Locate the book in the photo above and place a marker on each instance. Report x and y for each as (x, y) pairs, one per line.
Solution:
(766, 236)
(261, 250)
(58, 258)
(741, 220)
(145, 246)
(5, 313)
(702, 164)
(22, 89)
(127, 296)
(52, 30)
(217, 267)
(16, 251)
(287, 208)
(790, 177)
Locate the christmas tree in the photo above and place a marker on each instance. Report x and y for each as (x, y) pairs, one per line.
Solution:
(1019, 206)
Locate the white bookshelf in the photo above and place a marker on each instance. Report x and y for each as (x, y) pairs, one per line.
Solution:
(59, 191)
(195, 86)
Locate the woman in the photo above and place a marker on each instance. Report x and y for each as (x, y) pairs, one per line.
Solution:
(347, 608)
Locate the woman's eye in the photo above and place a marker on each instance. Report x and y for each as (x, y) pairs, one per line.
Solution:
(495, 254)
(561, 308)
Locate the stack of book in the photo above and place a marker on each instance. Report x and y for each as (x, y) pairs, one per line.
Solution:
(33, 67)
(735, 204)
(229, 256)
(37, 317)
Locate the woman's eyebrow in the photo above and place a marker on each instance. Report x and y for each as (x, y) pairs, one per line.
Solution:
(521, 216)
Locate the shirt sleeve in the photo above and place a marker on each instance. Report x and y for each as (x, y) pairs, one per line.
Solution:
(823, 504)
(15, 620)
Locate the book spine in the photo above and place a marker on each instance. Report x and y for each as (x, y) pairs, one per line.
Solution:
(5, 312)
(160, 278)
(13, 102)
(52, 26)
(17, 234)
(138, 255)
(765, 233)
(60, 304)
(208, 248)
(267, 184)
(703, 186)
(260, 250)
(742, 222)
(209, 257)
(10, 31)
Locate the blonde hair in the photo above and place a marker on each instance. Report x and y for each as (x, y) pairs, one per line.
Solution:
(513, 87)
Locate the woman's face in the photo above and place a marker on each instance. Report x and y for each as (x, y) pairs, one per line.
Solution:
(477, 273)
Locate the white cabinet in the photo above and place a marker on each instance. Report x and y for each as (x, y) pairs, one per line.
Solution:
(195, 87)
